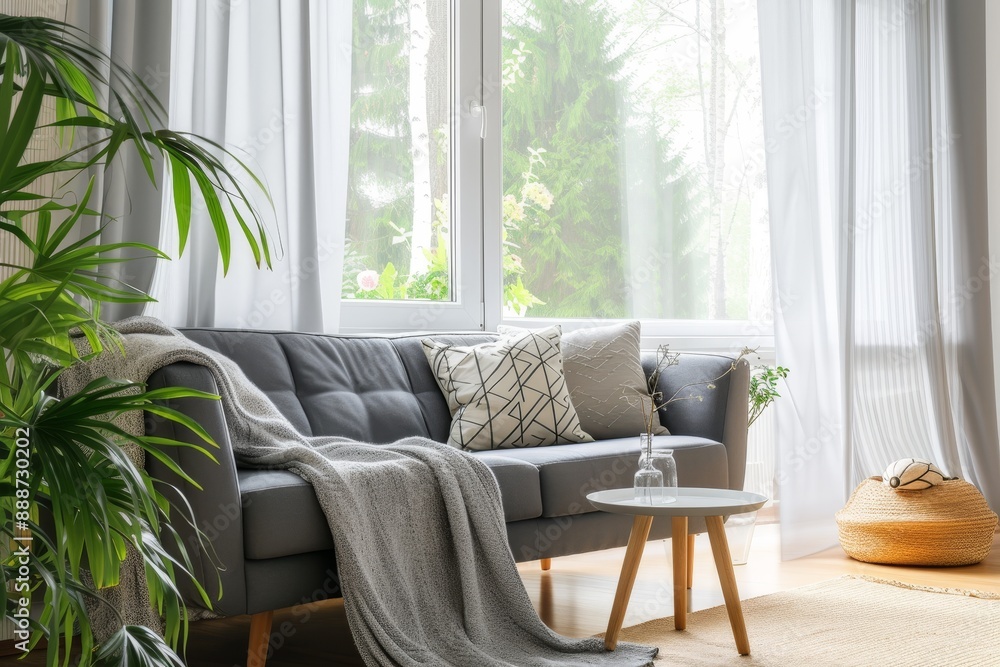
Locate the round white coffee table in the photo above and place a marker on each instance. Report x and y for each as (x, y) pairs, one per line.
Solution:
(713, 504)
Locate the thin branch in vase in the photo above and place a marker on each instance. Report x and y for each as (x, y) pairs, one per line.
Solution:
(653, 402)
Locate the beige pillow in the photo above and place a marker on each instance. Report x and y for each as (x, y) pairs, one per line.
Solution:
(602, 366)
(506, 393)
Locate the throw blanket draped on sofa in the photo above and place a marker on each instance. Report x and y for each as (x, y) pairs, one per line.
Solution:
(421, 547)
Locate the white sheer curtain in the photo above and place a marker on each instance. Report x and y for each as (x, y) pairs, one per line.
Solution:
(271, 79)
(132, 31)
(881, 267)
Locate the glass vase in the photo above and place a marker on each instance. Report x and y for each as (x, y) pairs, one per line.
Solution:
(648, 484)
(662, 460)
(739, 534)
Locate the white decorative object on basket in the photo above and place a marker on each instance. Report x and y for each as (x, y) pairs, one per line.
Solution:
(912, 475)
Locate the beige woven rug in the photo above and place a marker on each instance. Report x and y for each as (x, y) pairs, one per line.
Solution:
(847, 621)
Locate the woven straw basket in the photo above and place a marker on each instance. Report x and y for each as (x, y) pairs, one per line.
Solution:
(947, 524)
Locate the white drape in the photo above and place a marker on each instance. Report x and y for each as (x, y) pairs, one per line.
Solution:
(272, 79)
(132, 31)
(880, 271)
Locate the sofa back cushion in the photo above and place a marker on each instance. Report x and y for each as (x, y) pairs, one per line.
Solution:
(370, 388)
(606, 380)
(432, 402)
(507, 393)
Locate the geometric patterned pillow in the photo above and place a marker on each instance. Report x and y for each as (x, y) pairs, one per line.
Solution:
(506, 393)
(605, 379)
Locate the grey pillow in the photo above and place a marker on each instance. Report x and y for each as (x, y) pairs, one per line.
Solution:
(507, 393)
(602, 365)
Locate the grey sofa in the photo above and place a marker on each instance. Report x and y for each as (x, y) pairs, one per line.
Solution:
(267, 529)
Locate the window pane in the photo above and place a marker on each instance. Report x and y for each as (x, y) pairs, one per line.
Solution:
(399, 174)
(633, 151)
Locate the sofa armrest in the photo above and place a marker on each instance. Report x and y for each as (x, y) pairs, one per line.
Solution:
(720, 415)
(216, 506)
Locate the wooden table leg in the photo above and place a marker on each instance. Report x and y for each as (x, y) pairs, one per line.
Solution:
(633, 554)
(679, 543)
(724, 564)
(691, 560)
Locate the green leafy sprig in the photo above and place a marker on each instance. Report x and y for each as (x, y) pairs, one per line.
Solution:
(764, 388)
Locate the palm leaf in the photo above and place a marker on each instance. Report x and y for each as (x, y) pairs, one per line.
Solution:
(54, 52)
(136, 646)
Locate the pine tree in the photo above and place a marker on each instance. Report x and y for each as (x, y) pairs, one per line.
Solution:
(572, 102)
(568, 104)
(668, 244)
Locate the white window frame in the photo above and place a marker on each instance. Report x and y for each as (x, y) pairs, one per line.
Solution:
(720, 336)
(465, 311)
(493, 165)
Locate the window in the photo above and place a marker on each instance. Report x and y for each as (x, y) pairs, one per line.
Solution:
(633, 161)
(614, 170)
(398, 236)
(406, 265)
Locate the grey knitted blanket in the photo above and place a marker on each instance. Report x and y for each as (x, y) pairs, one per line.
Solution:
(425, 567)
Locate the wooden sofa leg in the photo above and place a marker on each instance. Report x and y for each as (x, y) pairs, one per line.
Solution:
(690, 571)
(546, 564)
(260, 637)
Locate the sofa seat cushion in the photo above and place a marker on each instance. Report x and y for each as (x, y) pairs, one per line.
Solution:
(520, 488)
(282, 517)
(567, 473)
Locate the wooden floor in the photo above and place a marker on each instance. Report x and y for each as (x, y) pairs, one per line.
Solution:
(575, 596)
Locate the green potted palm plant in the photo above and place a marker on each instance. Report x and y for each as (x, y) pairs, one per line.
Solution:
(73, 504)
